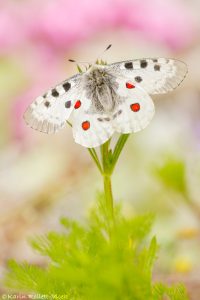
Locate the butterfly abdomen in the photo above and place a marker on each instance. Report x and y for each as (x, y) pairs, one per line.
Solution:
(101, 87)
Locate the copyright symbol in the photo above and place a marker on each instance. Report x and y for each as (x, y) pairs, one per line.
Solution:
(4, 296)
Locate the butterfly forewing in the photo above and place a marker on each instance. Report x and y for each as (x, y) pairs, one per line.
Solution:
(48, 113)
(155, 76)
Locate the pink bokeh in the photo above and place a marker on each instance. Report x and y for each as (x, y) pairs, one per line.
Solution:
(40, 31)
(61, 24)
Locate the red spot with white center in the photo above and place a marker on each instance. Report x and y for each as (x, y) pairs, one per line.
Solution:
(86, 125)
(135, 107)
(77, 104)
(130, 85)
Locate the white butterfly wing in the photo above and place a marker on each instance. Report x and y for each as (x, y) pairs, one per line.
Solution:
(90, 129)
(136, 109)
(155, 76)
(48, 113)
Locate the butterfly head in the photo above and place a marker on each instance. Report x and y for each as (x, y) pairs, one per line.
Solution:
(96, 75)
(96, 63)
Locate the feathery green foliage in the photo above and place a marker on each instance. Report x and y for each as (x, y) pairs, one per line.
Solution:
(174, 293)
(97, 260)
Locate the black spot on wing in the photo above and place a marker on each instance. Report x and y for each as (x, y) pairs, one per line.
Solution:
(54, 93)
(128, 65)
(143, 63)
(117, 114)
(157, 67)
(68, 104)
(47, 103)
(66, 86)
(138, 79)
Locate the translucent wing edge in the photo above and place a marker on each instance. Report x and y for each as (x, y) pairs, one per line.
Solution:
(36, 119)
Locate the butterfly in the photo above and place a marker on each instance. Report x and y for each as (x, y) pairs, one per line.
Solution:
(106, 99)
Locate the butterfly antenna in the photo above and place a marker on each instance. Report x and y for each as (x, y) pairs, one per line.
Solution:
(101, 54)
(79, 62)
(90, 63)
(109, 46)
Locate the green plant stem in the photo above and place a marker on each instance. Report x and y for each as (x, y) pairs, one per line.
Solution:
(106, 167)
(95, 158)
(108, 195)
(118, 149)
(106, 155)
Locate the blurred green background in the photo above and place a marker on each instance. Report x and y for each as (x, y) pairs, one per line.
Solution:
(44, 177)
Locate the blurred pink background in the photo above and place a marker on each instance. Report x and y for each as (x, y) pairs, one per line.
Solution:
(44, 177)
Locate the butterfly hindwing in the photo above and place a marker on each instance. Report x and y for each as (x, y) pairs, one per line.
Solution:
(90, 129)
(135, 110)
(155, 76)
(48, 113)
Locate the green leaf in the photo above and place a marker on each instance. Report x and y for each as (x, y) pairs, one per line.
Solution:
(150, 256)
(176, 292)
(173, 174)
